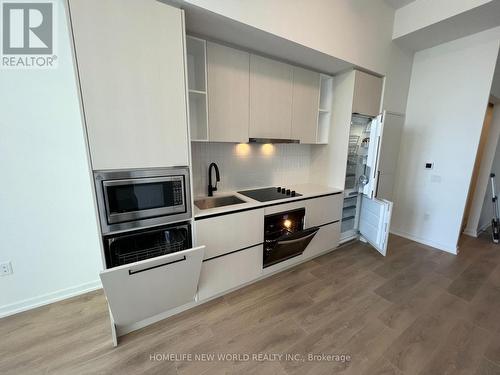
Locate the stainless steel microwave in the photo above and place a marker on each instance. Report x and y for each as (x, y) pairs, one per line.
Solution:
(137, 198)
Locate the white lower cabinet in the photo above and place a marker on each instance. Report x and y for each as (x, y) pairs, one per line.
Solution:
(144, 289)
(323, 210)
(327, 238)
(224, 234)
(229, 271)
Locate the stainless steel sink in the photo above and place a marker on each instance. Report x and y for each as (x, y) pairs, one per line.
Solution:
(212, 202)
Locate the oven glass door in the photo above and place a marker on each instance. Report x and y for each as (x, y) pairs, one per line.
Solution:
(288, 246)
(285, 237)
(142, 198)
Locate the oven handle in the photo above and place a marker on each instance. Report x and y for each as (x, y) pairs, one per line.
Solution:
(308, 233)
(130, 272)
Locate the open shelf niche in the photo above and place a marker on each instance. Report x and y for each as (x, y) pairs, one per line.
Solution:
(197, 85)
(325, 108)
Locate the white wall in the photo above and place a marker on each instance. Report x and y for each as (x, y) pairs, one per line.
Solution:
(495, 87)
(423, 13)
(473, 226)
(449, 90)
(47, 222)
(244, 166)
(357, 31)
(486, 213)
(397, 80)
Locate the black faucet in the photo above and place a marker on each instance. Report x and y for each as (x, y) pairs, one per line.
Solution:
(211, 188)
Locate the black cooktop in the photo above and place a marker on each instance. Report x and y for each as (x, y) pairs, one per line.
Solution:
(270, 194)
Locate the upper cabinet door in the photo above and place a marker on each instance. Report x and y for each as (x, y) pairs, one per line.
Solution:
(130, 57)
(373, 157)
(228, 91)
(270, 98)
(367, 94)
(305, 105)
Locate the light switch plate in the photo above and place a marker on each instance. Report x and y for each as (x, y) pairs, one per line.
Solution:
(5, 269)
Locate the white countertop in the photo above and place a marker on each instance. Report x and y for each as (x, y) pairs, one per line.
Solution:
(307, 191)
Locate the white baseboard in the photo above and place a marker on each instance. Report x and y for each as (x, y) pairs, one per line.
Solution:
(470, 232)
(437, 245)
(48, 298)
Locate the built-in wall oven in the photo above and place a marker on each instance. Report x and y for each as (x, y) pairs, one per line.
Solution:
(138, 198)
(285, 236)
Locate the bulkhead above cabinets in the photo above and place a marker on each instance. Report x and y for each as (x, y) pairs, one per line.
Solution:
(235, 96)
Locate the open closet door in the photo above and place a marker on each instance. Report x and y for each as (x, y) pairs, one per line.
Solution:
(143, 289)
(373, 156)
(375, 221)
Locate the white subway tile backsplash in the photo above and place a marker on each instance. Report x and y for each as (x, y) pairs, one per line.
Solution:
(244, 166)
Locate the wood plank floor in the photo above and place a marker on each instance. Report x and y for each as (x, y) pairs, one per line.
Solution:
(417, 311)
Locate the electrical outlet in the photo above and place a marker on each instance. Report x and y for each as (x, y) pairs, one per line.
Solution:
(5, 269)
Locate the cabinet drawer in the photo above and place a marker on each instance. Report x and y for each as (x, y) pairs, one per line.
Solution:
(327, 238)
(229, 271)
(285, 207)
(323, 210)
(224, 234)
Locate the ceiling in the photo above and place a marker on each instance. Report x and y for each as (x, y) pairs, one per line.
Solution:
(398, 3)
(479, 18)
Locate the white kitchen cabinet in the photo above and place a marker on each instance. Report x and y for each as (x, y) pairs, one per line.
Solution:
(325, 109)
(305, 106)
(130, 58)
(319, 211)
(196, 52)
(270, 98)
(323, 210)
(285, 207)
(231, 232)
(229, 271)
(367, 94)
(145, 289)
(327, 238)
(228, 91)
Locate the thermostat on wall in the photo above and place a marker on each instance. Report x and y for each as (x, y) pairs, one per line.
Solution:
(429, 165)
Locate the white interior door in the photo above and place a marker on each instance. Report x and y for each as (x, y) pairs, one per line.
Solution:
(140, 290)
(373, 156)
(374, 222)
